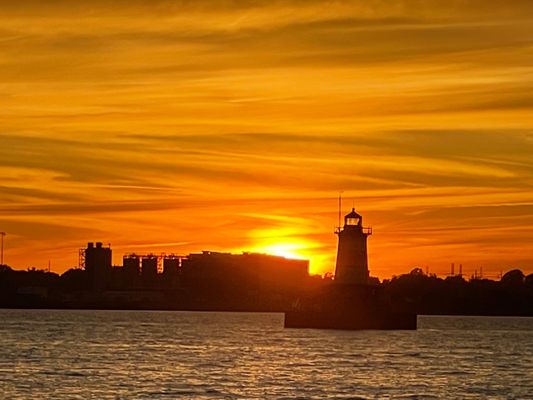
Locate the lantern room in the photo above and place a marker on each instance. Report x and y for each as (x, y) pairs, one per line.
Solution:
(353, 219)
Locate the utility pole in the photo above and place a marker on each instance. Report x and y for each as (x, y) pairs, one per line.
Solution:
(2, 234)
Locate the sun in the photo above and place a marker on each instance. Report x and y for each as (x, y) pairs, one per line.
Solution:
(287, 250)
(292, 248)
(319, 263)
(289, 242)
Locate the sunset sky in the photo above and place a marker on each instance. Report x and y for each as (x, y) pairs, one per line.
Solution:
(182, 126)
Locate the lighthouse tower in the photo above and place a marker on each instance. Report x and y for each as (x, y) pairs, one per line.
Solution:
(352, 258)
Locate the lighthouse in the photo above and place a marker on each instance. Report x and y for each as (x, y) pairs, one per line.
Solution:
(352, 258)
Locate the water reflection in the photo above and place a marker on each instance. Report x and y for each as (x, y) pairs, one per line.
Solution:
(146, 354)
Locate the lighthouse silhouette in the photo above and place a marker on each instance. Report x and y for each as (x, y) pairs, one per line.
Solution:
(352, 257)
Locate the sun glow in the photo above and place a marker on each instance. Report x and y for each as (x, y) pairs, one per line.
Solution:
(285, 242)
(299, 250)
(287, 250)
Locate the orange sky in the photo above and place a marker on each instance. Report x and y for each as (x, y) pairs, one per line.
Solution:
(180, 126)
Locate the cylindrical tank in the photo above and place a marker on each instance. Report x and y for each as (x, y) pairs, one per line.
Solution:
(171, 265)
(131, 264)
(149, 266)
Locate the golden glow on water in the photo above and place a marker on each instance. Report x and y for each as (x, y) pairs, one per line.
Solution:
(251, 356)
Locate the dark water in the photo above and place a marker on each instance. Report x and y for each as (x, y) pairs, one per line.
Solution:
(168, 355)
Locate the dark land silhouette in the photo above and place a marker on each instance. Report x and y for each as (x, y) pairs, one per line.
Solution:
(256, 282)
(214, 281)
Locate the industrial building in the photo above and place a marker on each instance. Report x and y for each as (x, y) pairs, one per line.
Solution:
(246, 271)
(97, 262)
(131, 270)
(251, 270)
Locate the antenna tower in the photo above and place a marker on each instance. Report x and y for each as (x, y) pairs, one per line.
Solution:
(340, 210)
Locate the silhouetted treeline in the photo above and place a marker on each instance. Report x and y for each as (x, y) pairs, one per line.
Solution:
(186, 291)
(415, 292)
(428, 294)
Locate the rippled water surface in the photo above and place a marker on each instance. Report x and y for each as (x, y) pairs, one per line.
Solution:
(166, 355)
